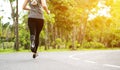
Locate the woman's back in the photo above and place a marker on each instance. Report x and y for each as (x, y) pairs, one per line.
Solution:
(36, 10)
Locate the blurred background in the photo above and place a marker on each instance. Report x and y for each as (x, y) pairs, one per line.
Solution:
(72, 25)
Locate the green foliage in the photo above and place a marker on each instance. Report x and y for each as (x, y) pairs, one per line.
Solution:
(113, 43)
(58, 41)
(24, 36)
(24, 39)
(95, 45)
(6, 45)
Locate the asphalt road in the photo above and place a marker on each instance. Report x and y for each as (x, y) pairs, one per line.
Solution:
(82, 60)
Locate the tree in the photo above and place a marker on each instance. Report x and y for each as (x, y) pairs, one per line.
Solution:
(16, 28)
(14, 16)
(71, 17)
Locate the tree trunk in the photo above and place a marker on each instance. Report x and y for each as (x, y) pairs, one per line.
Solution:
(15, 24)
(46, 38)
(16, 27)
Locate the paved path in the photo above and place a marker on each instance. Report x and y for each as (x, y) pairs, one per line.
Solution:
(83, 60)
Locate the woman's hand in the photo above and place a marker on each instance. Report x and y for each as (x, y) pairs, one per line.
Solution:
(48, 12)
(44, 5)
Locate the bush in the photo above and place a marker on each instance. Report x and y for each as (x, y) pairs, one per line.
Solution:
(7, 45)
(95, 45)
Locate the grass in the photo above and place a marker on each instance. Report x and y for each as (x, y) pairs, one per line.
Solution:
(53, 50)
(12, 50)
(7, 50)
(23, 50)
(41, 49)
(92, 49)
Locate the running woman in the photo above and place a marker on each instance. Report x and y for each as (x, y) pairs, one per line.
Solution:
(35, 21)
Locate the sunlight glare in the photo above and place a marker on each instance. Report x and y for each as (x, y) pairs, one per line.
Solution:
(103, 11)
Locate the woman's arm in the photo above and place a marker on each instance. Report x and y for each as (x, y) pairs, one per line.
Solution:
(44, 5)
(25, 5)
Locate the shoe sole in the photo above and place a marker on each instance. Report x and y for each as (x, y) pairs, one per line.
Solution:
(35, 55)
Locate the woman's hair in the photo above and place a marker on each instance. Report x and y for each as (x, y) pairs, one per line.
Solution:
(34, 2)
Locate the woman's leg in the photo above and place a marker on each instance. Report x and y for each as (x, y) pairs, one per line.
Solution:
(32, 26)
(39, 26)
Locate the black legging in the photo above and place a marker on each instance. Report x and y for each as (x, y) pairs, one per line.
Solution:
(35, 27)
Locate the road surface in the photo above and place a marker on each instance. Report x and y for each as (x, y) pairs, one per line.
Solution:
(76, 60)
